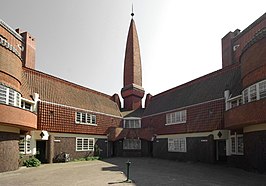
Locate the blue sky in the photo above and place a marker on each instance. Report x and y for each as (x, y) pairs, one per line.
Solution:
(84, 41)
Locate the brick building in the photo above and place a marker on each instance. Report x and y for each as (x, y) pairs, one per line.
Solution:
(219, 117)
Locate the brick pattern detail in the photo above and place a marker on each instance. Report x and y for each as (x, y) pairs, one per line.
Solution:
(132, 64)
(200, 118)
(10, 64)
(68, 145)
(66, 93)
(9, 153)
(246, 35)
(253, 68)
(10, 68)
(56, 118)
(247, 114)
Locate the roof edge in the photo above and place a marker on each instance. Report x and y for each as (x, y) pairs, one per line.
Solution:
(199, 79)
(66, 82)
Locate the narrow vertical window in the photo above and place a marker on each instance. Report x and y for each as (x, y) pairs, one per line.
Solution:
(262, 89)
(253, 93)
(93, 119)
(3, 93)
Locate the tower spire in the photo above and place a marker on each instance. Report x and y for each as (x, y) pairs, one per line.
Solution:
(132, 92)
(132, 11)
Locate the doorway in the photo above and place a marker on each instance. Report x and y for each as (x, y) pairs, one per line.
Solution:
(221, 151)
(41, 151)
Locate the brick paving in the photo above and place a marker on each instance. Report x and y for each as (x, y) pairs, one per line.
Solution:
(143, 171)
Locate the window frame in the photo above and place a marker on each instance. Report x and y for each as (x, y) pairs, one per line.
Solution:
(178, 144)
(254, 92)
(132, 123)
(178, 117)
(85, 144)
(9, 96)
(237, 144)
(25, 144)
(131, 144)
(85, 118)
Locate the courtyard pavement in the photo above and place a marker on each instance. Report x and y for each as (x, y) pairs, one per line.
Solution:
(143, 171)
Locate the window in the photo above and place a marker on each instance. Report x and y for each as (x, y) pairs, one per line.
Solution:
(253, 93)
(24, 145)
(3, 93)
(132, 144)
(9, 96)
(262, 89)
(26, 105)
(245, 96)
(177, 145)
(176, 117)
(84, 144)
(85, 118)
(237, 144)
(132, 123)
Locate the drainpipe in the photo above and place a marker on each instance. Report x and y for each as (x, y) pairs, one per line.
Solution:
(226, 96)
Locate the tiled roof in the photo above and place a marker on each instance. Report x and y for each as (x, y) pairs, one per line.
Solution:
(126, 133)
(133, 113)
(59, 91)
(205, 88)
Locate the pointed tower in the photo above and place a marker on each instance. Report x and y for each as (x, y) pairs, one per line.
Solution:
(132, 92)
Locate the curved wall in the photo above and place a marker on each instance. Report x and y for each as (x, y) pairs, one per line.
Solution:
(247, 114)
(253, 62)
(10, 68)
(16, 117)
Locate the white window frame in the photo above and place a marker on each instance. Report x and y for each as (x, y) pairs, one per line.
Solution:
(89, 119)
(235, 148)
(132, 144)
(23, 104)
(9, 94)
(178, 117)
(177, 144)
(257, 88)
(24, 144)
(133, 122)
(87, 144)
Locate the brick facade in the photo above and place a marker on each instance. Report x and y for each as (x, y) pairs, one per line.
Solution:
(9, 153)
(56, 118)
(200, 118)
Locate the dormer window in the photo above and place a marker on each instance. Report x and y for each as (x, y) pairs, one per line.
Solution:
(132, 123)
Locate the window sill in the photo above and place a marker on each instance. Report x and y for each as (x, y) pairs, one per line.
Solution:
(87, 124)
(182, 122)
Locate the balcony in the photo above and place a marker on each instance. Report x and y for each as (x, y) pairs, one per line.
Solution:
(247, 114)
(17, 117)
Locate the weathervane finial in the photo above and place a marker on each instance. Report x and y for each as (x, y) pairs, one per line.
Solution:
(132, 12)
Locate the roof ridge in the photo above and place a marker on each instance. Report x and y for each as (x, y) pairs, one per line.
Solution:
(199, 79)
(66, 82)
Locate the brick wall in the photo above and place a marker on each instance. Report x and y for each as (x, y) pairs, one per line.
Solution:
(253, 68)
(249, 113)
(143, 152)
(198, 149)
(247, 35)
(9, 153)
(55, 118)
(200, 118)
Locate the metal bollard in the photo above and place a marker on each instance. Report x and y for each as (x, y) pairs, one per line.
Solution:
(128, 164)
